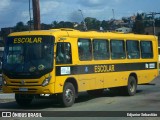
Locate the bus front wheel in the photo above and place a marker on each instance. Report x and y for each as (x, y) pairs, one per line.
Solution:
(23, 100)
(67, 98)
(131, 87)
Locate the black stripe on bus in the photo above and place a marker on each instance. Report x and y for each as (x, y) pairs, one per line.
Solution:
(103, 68)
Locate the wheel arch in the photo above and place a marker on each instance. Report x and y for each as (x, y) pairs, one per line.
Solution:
(135, 76)
(74, 82)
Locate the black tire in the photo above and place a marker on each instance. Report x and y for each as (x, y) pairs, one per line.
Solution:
(67, 98)
(23, 100)
(131, 88)
(97, 92)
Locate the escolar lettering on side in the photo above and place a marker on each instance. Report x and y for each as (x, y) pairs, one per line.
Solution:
(27, 40)
(103, 68)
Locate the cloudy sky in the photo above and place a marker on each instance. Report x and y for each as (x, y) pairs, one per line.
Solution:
(13, 11)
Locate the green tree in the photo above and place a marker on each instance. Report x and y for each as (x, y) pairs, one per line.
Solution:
(62, 24)
(30, 24)
(107, 25)
(125, 19)
(46, 26)
(157, 22)
(54, 24)
(92, 23)
(20, 27)
(139, 25)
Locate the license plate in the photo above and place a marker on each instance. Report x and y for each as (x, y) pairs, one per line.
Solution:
(23, 89)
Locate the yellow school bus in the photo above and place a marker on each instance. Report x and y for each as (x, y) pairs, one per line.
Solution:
(64, 62)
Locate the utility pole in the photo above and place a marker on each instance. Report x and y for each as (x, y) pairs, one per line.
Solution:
(36, 14)
(30, 15)
(113, 14)
(84, 23)
(153, 20)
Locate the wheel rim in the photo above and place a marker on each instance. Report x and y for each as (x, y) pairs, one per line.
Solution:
(69, 95)
(132, 86)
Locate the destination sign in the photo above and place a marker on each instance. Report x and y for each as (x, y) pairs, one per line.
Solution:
(21, 40)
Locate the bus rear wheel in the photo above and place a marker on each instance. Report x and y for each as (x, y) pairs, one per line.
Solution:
(67, 98)
(23, 100)
(131, 88)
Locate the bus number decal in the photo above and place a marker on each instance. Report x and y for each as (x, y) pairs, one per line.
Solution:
(150, 65)
(65, 70)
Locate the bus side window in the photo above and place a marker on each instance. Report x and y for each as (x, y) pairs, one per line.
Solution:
(117, 49)
(133, 49)
(146, 49)
(100, 49)
(84, 49)
(63, 53)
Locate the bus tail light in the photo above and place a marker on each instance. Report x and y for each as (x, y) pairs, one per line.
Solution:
(46, 81)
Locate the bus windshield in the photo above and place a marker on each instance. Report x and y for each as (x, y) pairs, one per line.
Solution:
(29, 56)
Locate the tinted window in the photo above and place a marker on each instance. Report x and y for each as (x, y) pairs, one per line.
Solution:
(101, 49)
(146, 49)
(28, 56)
(63, 55)
(15, 55)
(133, 49)
(117, 49)
(85, 49)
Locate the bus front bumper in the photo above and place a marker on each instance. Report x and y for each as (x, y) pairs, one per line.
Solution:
(49, 89)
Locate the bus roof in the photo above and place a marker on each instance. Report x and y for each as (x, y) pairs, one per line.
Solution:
(67, 32)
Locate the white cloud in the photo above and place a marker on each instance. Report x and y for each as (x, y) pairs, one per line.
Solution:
(140, 11)
(99, 3)
(100, 14)
(48, 6)
(24, 16)
(118, 1)
(13, 11)
(92, 3)
(95, 2)
(4, 4)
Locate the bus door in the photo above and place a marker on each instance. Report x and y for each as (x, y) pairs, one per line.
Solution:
(63, 62)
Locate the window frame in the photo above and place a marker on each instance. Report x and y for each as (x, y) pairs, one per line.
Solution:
(71, 61)
(124, 49)
(139, 50)
(152, 52)
(90, 50)
(107, 48)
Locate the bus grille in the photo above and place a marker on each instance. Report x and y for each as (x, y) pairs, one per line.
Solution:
(24, 82)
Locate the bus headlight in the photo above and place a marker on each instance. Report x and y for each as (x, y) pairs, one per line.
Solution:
(46, 81)
(4, 81)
